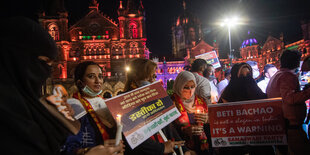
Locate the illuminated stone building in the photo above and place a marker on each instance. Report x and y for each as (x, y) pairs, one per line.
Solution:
(186, 32)
(187, 36)
(267, 53)
(271, 51)
(168, 70)
(249, 48)
(187, 42)
(302, 45)
(96, 37)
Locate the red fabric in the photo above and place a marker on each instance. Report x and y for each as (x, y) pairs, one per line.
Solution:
(184, 120)
(159, 138)
(88, 107)
(198, 73)
(285, 84)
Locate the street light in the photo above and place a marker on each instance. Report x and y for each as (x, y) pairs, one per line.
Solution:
(230, 22)
(127, 68)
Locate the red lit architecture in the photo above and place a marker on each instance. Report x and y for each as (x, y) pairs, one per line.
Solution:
(187, 42)
(268, 53)
(187, 37)
(98, 38)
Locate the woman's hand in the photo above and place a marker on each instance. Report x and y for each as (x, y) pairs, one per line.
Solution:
(59, 100)
(190, 152)
(107, 150)
(201, 117)
(170, 145)
(68, 109)
(193, 130)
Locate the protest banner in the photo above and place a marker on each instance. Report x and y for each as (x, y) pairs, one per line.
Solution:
(255, 122)
(211, 58)
(144, 112)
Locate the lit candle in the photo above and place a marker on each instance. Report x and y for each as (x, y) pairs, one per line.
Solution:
(198, 111)
(119, 130)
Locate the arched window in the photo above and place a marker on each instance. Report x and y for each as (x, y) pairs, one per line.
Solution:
(53, 31)
(133, 48)
(117, 49)
(133, 30)
(60, 69)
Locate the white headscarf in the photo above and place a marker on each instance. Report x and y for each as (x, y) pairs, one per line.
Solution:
(179, 84)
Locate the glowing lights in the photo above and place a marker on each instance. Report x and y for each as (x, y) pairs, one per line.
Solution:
(249, 42)
(127, 69)
(230, 22)
(131, 15)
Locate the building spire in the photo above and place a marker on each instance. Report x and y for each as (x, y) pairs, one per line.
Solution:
(132, 7)
(94, 5)
(141, 5)
(120, 4)
(184, 5)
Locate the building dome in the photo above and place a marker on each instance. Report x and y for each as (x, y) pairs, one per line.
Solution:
(249, 42)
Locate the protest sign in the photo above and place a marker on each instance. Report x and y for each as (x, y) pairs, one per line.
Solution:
(255, 122)
(211, 58)
(144, 112)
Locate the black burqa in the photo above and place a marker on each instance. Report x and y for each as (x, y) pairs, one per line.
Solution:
(26, 126)
(242, 88)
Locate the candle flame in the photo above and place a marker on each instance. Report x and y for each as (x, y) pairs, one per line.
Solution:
(118, 118)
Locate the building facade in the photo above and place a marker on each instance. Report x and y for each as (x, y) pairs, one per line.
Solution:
(96, 37)
(186, 35)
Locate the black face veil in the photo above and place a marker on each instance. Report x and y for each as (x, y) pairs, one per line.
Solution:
(22, 41)
(26, 122)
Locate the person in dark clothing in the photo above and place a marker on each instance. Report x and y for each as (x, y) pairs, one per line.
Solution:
(26, 54)
(243, 87)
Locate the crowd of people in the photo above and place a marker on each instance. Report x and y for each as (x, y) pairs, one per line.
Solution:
(29, 128)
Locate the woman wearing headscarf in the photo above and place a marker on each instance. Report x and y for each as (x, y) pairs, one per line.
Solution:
(194, 113)
(25, 62)
(142, 72)
(243, 87)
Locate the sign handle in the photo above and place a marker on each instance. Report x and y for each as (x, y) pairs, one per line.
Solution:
(165, 139)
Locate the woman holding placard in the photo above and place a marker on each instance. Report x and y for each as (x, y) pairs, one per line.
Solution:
(97, 124)
(141, 72)
(194, 113)
(243, 87)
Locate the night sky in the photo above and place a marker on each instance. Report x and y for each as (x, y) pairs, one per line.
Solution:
(261, 17)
